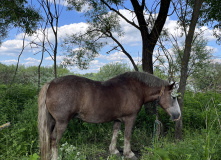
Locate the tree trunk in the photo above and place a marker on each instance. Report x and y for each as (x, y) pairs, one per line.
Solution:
(147, 58)
(149, 39)
(184, 65)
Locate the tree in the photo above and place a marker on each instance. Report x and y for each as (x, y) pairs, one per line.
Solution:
(103, 19)
(211, 15)
(52, 12)
(199, 56)
(208, 78)
(191, 55)
(17, 13)
(110, 70)
(189, 33)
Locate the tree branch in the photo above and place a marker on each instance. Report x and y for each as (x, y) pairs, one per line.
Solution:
(16, 70)
(116, 11)
(123, 50)
(160, 21)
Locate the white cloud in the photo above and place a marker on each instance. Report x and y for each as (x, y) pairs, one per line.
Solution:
(61, 2)
(132, 35)
(217, 60)
(214, 50)
(58, 58)
(30, 62)
(63, 32)
(12, 47)
(95, 65)
(68, 30)
(117, 56)
(10, 61)
(32, 59)
(206, 32)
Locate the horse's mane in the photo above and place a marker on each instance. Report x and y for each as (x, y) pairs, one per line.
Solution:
(144, 77)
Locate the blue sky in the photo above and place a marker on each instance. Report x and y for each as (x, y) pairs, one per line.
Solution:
(74, 22)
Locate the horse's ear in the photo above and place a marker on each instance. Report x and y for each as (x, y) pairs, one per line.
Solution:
(171, 86)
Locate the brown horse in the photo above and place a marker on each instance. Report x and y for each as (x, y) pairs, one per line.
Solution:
(118, 99)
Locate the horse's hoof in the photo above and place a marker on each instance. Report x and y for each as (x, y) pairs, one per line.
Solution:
(115, 152)
(117, 156)
(132, 158)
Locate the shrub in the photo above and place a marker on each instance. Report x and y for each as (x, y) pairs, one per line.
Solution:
(197, 106)
(21, 138)
(13, 99)
(110, 70)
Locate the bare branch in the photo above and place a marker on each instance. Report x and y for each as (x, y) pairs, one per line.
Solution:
(123, 50)
(114, 48)
(128, 21)
(42, 56)
(16, 70)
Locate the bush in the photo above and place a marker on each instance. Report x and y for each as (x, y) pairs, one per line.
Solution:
(29, 75)
(18, 105)
(197, 108)
(13, 99)
(111, 70)
(21, 138)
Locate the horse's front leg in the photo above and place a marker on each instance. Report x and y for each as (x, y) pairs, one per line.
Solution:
(129, 122)
(113, 145)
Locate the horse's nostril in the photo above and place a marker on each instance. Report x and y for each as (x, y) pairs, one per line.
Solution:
(176, 116)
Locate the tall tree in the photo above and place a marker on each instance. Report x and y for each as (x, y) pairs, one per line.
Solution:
(103, 17)
(17, 13)
(186, 56)
(52, 11)
(199, 56)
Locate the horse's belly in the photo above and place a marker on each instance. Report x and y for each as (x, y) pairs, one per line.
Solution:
(93, 118)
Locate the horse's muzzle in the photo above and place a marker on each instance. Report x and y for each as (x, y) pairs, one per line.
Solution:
(175, 116)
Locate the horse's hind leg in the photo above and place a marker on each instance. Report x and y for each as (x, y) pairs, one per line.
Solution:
(112, 147)
(129, 122)
(56, 135)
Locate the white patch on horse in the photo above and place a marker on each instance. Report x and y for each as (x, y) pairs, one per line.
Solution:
(127, 149)
(113, 144)
(174, 110)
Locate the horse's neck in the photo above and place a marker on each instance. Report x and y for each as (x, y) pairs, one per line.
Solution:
(151, 93)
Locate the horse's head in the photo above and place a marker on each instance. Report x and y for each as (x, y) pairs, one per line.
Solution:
(170, 103)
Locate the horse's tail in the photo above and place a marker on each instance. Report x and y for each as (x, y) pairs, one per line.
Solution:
(44, 119)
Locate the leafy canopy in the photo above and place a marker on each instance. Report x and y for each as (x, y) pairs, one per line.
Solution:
(17, 13)
(101, 24)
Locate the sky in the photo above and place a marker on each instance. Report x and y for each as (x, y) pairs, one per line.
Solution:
(71, 22)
